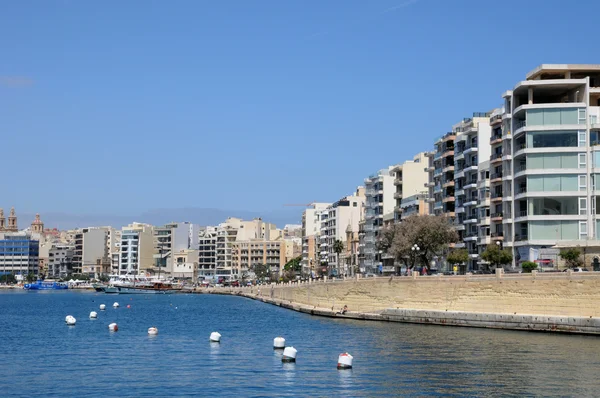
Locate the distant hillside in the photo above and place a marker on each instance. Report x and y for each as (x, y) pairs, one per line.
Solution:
(200, 216)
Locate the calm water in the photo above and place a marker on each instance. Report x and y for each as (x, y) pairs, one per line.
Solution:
(40, 355)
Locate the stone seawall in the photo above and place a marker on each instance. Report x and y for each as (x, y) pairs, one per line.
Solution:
(565, 302)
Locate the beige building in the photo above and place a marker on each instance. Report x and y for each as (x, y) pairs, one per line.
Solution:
(185, 264)
(247, 254)
(410, 179)
(91, 254)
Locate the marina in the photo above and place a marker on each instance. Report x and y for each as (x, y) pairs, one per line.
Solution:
(387, 358)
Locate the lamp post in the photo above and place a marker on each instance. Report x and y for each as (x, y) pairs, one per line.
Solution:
(415, 249)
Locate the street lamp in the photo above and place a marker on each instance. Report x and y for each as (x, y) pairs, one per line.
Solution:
(415, 249)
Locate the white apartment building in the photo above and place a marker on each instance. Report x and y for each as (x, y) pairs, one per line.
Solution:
(550, 160)
(207, 255)
(136, 249)
(471, 151)
(311, 229)
(342, 215)
(380, 194)
(410, 180)
(483, 215)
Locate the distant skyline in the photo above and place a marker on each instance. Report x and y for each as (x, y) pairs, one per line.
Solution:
(123, 107)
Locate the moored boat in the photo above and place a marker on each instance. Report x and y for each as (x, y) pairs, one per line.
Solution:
(46, 285)
(144, 288)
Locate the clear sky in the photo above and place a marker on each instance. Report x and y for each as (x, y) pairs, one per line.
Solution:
(123, 106)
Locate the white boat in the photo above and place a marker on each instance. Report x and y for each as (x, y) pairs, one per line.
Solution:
(126, 284)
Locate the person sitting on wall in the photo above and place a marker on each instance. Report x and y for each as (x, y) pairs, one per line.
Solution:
(342, 311)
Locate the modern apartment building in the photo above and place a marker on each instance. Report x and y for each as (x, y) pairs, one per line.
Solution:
(471, 157)
(551, 159)
(207, 255)
(19, 254)
(379, 201)
(311, 229)
(410, 179)
(483, 215)
(60, 258)
(136, 255)
(441, 176)
(341, 215)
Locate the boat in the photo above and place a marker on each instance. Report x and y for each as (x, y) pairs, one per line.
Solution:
(125, 284)
(143, 288)
(46, 285)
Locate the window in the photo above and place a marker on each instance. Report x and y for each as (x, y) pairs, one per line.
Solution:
(354, 204)
(582, 138)
(582, 162)
(582, 206)
(583, 233)
(582, 183)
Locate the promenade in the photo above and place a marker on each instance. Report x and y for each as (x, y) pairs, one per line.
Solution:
(560, 302)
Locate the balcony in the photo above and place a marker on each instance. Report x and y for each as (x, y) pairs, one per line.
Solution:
(520, 238)
(519, 124)
(472, 236)
(495, 119)
(496, 236)
(496, 139)
(470, 149)
(471, 167)
(496, 217)
(496, 177)
(448, 184)
(398, 181)
(496, 197)
(496, 158)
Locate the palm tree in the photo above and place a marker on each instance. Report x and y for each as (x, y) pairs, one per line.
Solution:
(338, 247)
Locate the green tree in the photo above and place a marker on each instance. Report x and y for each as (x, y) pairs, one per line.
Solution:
(103, 278)
(496, 256)
(294, 265)
(432, 234)
(528, 266)
(338, 248)
(8, 278)
(458, 257)
(572, 257)
(31, 277)
(262, 271)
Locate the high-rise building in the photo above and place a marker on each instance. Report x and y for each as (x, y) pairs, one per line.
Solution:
(342, 215)
(91, 255)
(60, 260)
(207, 253)
(311, 229)
(471, 151)
(441, 176)
(550, 156)
(136, 250)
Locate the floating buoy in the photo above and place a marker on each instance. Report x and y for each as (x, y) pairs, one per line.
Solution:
(70, 320)
(93, 315)
(102, 307)
(116, 305)
(345, 361)
(279, 343)
(215, 337)
(128, 306)
(152, 331)
(113, 327)
(289, 354)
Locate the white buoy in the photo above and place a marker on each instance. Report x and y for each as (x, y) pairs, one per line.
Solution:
(102, 307)
(113, 327)
(345, 361)
(215, 337)
(116, 305)
(93, 315)
(279, 343)
(70, 320)
(152, 331)
(289, 354)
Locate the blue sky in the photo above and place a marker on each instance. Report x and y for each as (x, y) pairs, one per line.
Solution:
(119, 107)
